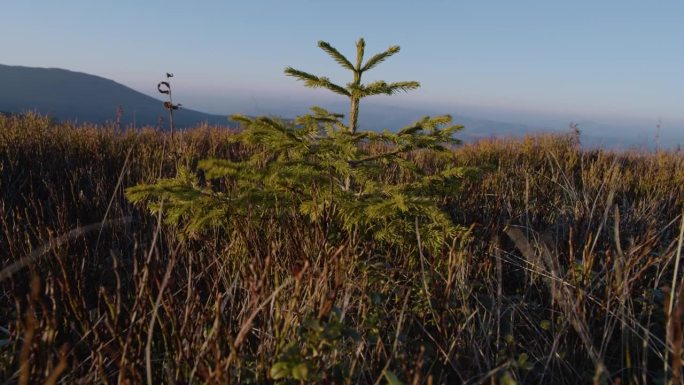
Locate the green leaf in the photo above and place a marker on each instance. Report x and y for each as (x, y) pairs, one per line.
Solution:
(507, 379)
(524, 363)
(300, 372)
(279, 370)
(392, 378)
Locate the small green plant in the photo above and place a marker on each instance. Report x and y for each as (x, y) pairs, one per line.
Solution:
(309, 356)
(331, 173)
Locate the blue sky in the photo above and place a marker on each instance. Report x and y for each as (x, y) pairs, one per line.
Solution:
(613, 61)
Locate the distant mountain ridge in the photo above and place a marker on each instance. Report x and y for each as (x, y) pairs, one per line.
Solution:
(81, 97)
(77, 96)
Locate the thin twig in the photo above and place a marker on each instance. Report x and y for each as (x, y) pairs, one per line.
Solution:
(396, 339)
(9, 270)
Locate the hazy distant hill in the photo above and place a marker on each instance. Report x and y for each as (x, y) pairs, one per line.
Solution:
(68, 95)
(76, 96)
(378, 117)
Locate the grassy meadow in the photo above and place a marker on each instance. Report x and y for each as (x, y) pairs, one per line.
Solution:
(564, 271)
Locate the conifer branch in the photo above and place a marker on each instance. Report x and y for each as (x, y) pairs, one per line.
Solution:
(356, 162)
(325, 83)
(379, 58)
(402, 87)
(382, 88)
(300, 75)
(360, 48)
(336, 55)
(313, 81)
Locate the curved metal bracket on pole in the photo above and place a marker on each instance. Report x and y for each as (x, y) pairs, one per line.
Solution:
(164, 87)
(166, 90)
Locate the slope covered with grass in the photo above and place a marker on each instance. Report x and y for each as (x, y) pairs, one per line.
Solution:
(563, 276)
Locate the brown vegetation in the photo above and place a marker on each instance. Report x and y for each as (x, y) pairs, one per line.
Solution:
(566, 274)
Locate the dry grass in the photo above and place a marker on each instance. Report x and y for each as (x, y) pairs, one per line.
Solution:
(565, 277)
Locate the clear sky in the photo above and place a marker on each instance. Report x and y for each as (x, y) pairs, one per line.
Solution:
(601, 59)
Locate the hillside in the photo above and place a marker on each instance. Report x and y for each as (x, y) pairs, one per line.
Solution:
(68, 95)
(77, 96)
(286, 295)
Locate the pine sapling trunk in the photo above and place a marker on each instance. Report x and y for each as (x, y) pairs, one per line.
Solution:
(354, 101)
(353, 114)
